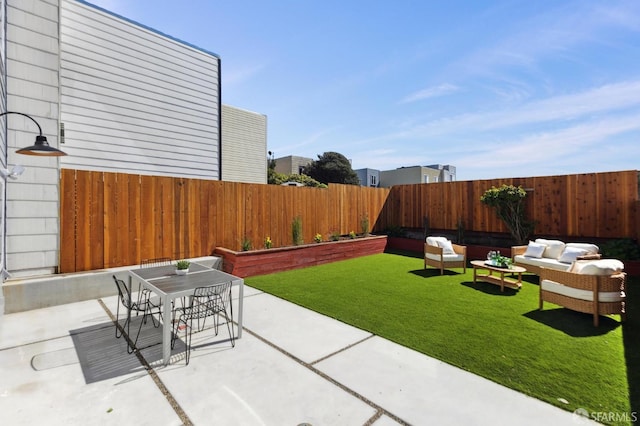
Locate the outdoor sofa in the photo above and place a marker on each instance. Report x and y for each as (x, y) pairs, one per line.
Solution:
(595, 287)
(552, 254)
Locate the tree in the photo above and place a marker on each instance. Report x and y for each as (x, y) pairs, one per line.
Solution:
(508, 201)
(332, 167)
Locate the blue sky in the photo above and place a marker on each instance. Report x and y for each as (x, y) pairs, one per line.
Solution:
(494, 88)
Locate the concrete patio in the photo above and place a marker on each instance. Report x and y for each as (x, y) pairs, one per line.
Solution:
(63, 365)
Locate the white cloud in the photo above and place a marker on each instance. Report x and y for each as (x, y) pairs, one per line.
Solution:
(430, 92)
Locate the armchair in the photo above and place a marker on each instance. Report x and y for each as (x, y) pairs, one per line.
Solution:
(441, 253)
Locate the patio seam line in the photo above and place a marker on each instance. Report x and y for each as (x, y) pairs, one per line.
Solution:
(342, 350)
(379, 410)
(186, 421)
(8, 348)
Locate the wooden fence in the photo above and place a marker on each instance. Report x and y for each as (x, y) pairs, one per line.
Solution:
(600, 205)
(111, 219)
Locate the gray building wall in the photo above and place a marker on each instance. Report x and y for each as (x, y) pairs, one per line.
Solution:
(134, 100)
(244, 145)
(369, 177)
(417, 174)
(291, 164)
(32, 201)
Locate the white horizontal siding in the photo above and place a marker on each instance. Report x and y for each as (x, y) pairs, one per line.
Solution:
(136, 101)
(32, 49)
(244, 146)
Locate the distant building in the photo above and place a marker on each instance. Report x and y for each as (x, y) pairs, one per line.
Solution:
(369, 177)
(244, 145)
(291, 165)
(417, 174)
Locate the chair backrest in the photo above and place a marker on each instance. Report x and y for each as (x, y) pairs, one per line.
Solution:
(158, 261)
(123, 292)
(214, 297)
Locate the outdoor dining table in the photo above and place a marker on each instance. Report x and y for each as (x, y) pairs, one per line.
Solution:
(164, 282)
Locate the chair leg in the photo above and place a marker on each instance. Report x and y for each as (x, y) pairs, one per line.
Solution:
(130, 346)
(117, 320)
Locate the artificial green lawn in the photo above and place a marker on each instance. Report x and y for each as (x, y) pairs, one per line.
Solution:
(553, 355)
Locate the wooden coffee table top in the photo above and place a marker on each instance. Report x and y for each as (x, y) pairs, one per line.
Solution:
(483, 264)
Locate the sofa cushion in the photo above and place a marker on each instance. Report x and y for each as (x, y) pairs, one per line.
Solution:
(446, 246)
(553, 248)
(570, 254)
(535, 250)
(576, 293)
(590, 248)
(598, 267)
(541, 262)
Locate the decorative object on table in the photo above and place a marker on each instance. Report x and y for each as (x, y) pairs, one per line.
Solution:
(495, 259)
(182, 267)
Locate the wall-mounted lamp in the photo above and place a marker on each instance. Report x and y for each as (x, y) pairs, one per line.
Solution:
(16, 171)
(41, 147)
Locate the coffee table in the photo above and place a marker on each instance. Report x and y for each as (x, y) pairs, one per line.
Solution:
(498, 278)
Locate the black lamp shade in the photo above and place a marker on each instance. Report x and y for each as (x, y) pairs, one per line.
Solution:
(41, 148)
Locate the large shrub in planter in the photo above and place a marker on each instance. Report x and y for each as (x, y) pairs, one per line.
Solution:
(508, 202)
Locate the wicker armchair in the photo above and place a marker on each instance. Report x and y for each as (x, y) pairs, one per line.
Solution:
(435, 256)
(592, 294)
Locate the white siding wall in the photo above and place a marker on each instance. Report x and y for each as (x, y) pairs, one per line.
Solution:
(244, 145)
(32, 88)
(134, 100)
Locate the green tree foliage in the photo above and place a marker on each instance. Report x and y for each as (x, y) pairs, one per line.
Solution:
(275, 178)
(508, 202)
(332, 167)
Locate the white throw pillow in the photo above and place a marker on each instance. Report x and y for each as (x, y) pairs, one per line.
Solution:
(599, 267)
(446, 246)
(554, 248)
(534, 250)
(570, 254)
(433, 241)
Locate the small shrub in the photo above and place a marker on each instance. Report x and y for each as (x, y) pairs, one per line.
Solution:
(317, 238)
(334, 236)
(246, 244)
(352, 235)
(268, 243)
(396, 231)
(622, 249)
(364, 225)
(296, 231)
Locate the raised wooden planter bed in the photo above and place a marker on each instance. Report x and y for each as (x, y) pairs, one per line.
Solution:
(259, 262)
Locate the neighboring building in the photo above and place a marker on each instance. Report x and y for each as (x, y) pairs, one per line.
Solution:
(132, 100)
(417, 174)
(369, 177)
(116, 96)
(291, 165)
(244, 145)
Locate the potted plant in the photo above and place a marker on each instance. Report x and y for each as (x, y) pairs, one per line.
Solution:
(182, 267)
